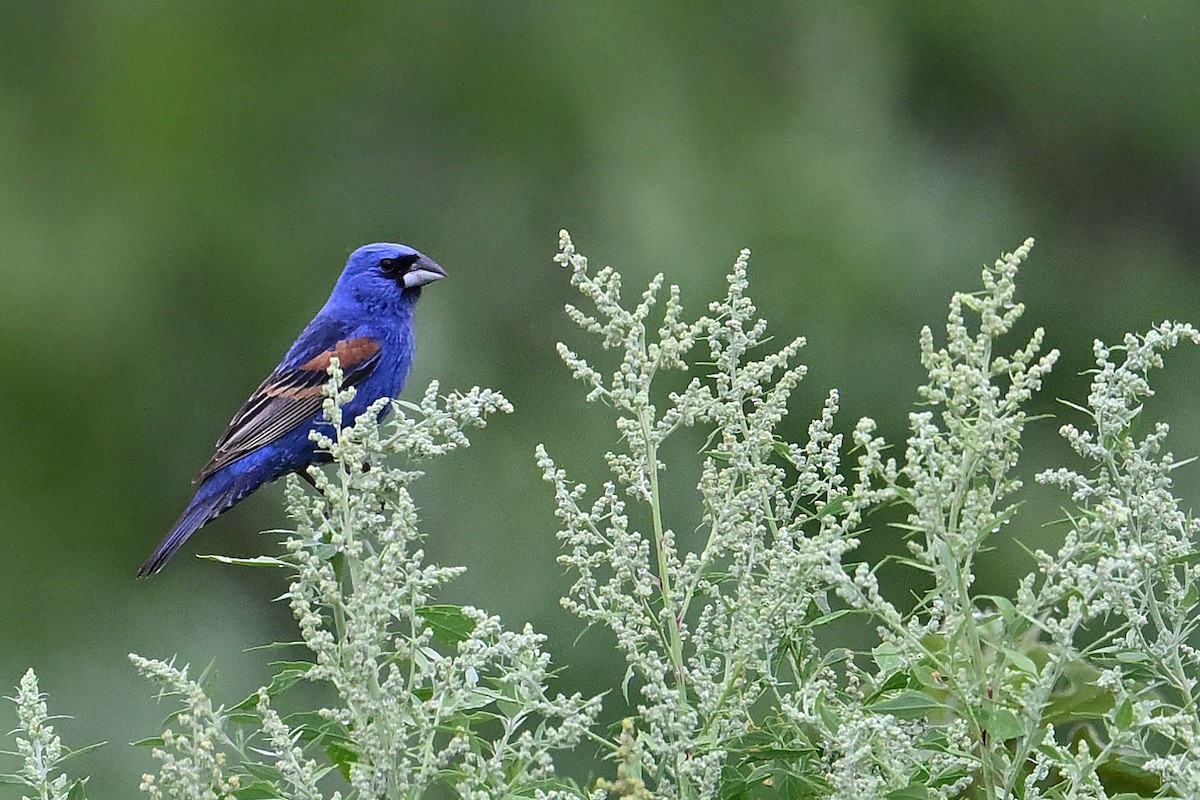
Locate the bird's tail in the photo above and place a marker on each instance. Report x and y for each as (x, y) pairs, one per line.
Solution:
(213, 497)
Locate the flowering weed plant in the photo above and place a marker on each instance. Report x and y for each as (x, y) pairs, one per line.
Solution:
(1079, 683)
(1083, 684)
(425, 696)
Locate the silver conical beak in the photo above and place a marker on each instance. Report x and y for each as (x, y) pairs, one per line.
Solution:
(426, 270)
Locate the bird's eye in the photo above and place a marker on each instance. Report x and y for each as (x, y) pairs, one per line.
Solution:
(399, 265)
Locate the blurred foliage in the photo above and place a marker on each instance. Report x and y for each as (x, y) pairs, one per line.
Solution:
(180, 183)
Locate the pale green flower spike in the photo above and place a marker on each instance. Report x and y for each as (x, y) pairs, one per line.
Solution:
(422, 695)
(41, 751)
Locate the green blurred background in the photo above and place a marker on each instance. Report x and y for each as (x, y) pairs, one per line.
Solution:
(180, 185)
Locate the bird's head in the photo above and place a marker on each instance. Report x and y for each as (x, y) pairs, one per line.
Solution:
(387, 273)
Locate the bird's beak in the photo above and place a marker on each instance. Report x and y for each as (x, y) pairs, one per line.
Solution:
(424, 271)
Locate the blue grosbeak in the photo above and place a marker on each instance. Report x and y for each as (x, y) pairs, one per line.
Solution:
(367, 324)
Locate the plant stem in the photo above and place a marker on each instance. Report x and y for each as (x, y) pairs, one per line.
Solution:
(675, 637)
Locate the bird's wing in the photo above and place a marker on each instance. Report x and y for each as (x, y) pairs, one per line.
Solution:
(288, 398)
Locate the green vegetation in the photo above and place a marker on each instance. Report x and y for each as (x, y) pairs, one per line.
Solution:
(1080, 682)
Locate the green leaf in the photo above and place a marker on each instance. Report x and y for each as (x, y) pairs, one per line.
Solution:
(342, 756)
(897, 680)
(833, 507)
(825, 619)
(257, 790)
(328, 552)
(1002, 724)
(312, 725)
(449, 624)
(911, 792)
(1022, 662)
(1123, 717)
(76, 791)
(778, 753)
(887, 657)
(263, 773)
(1127, 779)
(1081, 699)
(1003, 605)
(287, 675)
(832, 720)
(1182, 463)
(719, 456)
(273, 646)
(257, 561)
(149, 741)
(909, 704)
(81, 751)
(929, 678)
(1075, 406)
(735, 787)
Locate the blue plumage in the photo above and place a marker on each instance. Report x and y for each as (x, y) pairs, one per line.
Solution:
(367, 324)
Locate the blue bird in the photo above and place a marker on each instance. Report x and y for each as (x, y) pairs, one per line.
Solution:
(367, 324)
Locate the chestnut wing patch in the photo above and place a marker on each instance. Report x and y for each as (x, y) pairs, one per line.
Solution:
(348, 352)
(289, 398)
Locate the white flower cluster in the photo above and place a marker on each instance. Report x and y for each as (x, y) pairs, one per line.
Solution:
(414, 679)
(1085, 683)
(966, 693)
(707, 633)
(39, 747)
(957, 480)
(425, 695)
(193, 755)
(1129, 559)
(298, 773)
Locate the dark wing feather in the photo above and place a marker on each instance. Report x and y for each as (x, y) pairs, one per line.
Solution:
(289, 398)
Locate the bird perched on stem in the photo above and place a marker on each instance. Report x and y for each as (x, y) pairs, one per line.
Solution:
(367, 324)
